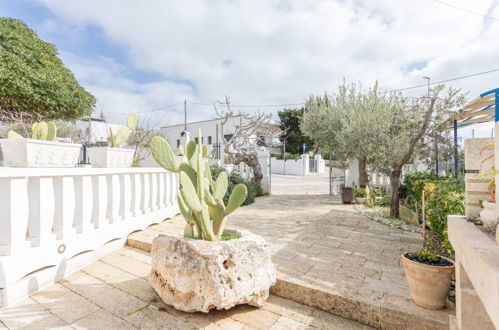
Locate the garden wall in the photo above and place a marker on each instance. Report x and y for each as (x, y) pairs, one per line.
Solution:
(55, 221)
(291, 166)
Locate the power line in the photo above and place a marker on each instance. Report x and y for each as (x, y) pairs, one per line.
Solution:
(465, 10)
(442, 81)
(252, 106)
(153, 110)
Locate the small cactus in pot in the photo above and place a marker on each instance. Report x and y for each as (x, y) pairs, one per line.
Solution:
(39, 131)
(200, 198)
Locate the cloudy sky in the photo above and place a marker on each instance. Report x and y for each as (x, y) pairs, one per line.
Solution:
(135, 56)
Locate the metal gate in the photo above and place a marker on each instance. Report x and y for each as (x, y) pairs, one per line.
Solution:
(312, 165)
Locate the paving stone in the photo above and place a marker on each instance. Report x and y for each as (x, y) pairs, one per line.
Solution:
(102, 319)
(128, 264)
(64, 303)
(323, 320)
(25, 313)
(363, 271)
(103, 294)
(152, 318)
(385, 287)
(52, 322)
(257, 318)
(118, 278)
(287, 323)
(288, 308)
(135, 254)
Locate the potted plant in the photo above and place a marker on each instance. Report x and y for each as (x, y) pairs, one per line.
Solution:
(210, 267)
(112, 155)
(429, 276)
(41, 150)
(360, 195)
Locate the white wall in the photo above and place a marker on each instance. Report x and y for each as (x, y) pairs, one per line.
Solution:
(291, 166)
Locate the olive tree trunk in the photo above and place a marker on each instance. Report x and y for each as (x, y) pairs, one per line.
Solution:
(363, 177)
(394, 191)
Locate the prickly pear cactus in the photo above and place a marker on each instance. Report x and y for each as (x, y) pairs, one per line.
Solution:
(39, 131)
(124, 132)
(200, 198)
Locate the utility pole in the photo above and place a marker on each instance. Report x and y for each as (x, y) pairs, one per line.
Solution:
(435, 136)
(185, 115)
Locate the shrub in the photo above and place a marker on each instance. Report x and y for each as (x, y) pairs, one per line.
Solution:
(360, 192)
(288, 156)
(234, 179)
(444, 196)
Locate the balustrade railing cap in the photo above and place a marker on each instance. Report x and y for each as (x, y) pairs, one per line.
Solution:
(13, 172)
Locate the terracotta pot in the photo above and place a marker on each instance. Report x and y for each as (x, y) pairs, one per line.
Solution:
(493, 196)
(429, 285)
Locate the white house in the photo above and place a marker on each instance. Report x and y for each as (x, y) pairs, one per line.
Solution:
(95, 130)
(212, 134)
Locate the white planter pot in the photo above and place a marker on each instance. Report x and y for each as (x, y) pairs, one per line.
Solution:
(38, 153)
(110, 157)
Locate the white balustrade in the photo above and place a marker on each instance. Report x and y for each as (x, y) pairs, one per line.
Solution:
(55, 221)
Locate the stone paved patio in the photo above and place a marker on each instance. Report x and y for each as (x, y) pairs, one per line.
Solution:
(113, 293)
(328, 255)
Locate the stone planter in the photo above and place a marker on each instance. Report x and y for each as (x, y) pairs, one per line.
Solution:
(361, 200)
(488, 216)
(196, 275)
(429, 285)
(38, 153)
(110, 157)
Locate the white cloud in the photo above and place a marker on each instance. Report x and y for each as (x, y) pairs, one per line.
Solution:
(268, 52)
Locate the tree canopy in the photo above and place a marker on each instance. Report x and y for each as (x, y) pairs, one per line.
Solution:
(34, 80)
(290, 125)
(380, 129)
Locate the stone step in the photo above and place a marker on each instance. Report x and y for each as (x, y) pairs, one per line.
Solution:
(376, 309)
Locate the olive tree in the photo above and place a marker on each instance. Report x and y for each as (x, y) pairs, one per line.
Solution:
(401, 124)
(34, 81)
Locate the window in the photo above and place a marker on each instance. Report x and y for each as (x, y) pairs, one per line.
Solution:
(178, 143)
(196, 140)
(227, 137)
(209, 139)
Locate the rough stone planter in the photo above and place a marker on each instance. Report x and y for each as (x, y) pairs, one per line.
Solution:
(38, 153)
(196, 275)
(110, 157)
(488, 215)
(429, 285)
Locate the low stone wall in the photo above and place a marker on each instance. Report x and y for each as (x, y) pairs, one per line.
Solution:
(477, 275)
(55, 221)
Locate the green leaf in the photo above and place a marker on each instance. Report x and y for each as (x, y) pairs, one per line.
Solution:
(13, 135)
(189, 193)
(220, 186)
(238, 196)
(132, 121)
(163, 153)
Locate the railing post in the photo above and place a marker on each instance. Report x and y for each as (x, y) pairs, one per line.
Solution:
(41, 204)
(13, 215)
(64, 194)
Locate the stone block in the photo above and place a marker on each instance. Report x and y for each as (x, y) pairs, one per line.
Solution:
(197, 275)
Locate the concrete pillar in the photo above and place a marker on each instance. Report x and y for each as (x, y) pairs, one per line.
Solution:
(264, 160)
(305, 159)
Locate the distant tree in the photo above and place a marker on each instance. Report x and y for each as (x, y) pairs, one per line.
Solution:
(290, 125)
(241, 147)
(33, 80)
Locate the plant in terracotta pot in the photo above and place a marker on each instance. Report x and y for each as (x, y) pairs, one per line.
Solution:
(429, 276)
(38, 150)
(113, 155)
(210, 267)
